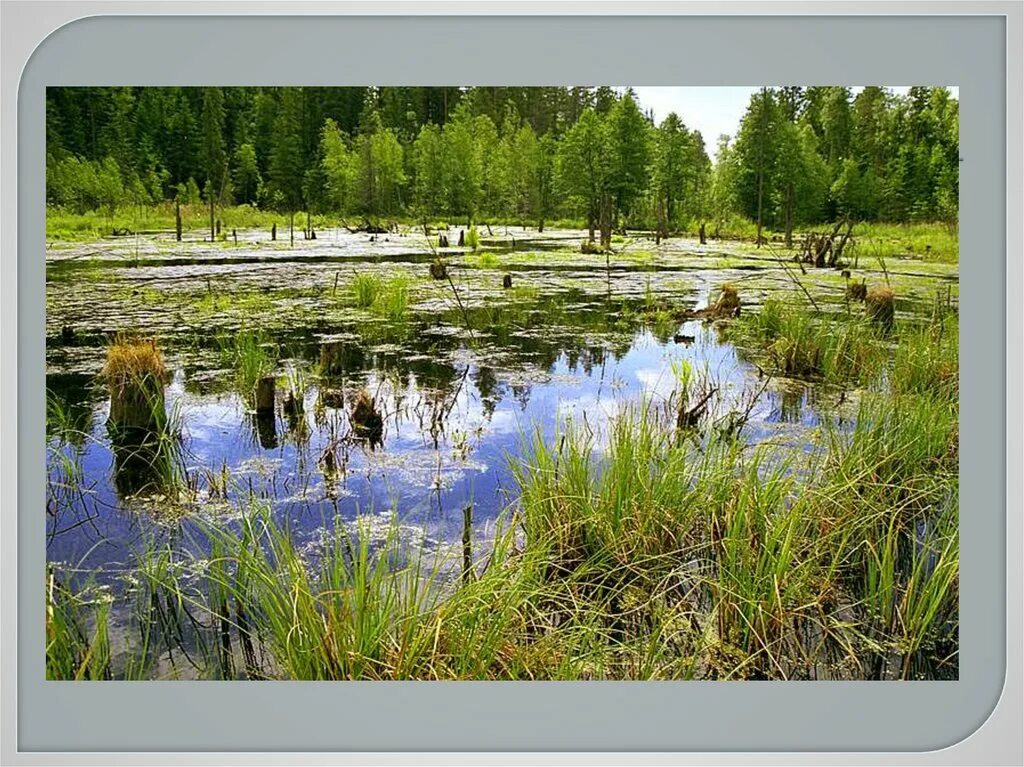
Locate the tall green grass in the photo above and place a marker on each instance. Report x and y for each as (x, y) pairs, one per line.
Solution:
(250, 355)
(388, 298)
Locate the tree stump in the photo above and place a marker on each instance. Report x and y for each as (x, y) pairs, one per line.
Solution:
(857, 291)
(264, 395)
(273, 231)
(438, 269)
(880, 306)
(367, 422)
(506, 281)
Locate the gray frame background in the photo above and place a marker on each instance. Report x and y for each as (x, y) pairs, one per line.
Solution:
(656, 44)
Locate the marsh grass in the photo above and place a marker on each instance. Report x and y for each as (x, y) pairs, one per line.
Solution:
(487, 260)
(794, 342)
(76, 647)
(66, 442)
(134, 362)
(250, 356)
(365, 289)
(388, 298)
(928, 241)
(67, 225)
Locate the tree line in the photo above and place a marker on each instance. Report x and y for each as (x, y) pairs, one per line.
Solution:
(799, 156)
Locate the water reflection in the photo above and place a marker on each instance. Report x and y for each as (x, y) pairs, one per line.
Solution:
(425, 428)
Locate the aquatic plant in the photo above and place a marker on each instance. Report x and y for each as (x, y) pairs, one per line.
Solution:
(488, 260)
(393, 300)
(388, 297)
(74, 649)
(251, 356)
(365, 288)
(628, 554)
(135, 375)
(797, 343)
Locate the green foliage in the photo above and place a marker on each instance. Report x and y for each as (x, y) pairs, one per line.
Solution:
(250, 356)
(247, 180)
(386, 297)
(583, 163)
(800, 155)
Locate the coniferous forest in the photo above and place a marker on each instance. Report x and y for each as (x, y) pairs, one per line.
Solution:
(502, 384)
(800, 156)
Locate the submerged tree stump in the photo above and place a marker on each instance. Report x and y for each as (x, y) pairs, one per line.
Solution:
(438, 269)
(857, 291)
(263, 395)
(880, 306)
(273, 231)
(462, 238)
(367, 423)
(506, 281)
(136, 377)
(334, 359)
(728, 304)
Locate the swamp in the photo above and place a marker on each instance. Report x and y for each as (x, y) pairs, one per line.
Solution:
(640, 436)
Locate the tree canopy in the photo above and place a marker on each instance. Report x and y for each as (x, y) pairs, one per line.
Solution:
(799, 155)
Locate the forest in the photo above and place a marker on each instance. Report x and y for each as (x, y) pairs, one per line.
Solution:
(799, 156)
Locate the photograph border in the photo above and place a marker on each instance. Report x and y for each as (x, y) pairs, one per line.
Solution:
(955, 48)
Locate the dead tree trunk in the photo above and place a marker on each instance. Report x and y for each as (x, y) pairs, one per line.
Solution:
(789, 216)
(606, 222)
(177, 220)
(760, 197)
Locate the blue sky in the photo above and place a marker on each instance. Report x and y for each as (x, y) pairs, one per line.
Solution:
(712, 110)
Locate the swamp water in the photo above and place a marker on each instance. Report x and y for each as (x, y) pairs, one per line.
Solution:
(461, 372)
